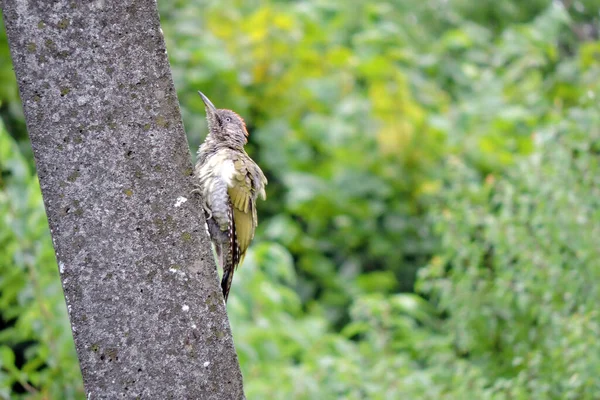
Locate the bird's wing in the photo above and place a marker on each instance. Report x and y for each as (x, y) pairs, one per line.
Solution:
(241, 192)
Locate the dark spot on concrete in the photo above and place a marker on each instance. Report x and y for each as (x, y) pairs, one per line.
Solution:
(50, 44)
(63, 23)
(162, 121)
(73, 177)
(112, 354)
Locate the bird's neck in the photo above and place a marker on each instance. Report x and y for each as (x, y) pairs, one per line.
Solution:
(211, 144)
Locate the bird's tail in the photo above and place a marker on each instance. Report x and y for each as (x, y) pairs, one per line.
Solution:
(230, 261)
(226, 282)
(231, 258)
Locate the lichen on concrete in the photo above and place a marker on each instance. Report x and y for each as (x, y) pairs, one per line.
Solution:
(109, 145)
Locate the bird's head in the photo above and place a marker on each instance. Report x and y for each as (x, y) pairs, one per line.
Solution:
(225, 125)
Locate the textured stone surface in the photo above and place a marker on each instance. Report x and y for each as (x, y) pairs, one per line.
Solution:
(140, 282)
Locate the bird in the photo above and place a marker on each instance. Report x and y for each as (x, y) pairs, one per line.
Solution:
(230, 183)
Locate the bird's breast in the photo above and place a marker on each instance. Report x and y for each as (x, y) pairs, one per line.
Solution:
(217, 166)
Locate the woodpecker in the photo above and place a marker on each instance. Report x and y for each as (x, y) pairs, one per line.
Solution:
(230, 183)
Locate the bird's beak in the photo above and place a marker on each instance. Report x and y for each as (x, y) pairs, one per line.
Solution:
(210, 107)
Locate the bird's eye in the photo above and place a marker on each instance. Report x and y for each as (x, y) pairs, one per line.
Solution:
(227, 119)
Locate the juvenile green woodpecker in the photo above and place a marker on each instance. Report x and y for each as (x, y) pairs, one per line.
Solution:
(230, 183)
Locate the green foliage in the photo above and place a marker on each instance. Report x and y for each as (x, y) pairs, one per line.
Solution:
(8, 89)
(456, 138)
(518, 266)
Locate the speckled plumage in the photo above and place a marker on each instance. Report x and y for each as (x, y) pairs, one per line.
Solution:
(230, 183)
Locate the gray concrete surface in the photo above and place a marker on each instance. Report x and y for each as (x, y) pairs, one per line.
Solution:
(139, 279)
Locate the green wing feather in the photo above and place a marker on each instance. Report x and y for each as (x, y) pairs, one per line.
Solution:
(241, 193)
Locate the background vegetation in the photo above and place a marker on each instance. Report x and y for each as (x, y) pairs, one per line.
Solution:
(433, 213)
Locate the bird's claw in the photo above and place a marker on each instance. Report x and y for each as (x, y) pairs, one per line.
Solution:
(206, 209)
